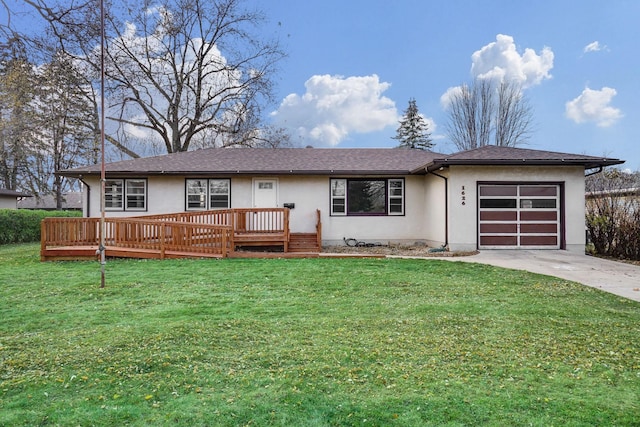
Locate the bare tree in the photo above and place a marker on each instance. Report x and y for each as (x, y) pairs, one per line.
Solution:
(488, 112)
(175, 68)
(513, 121)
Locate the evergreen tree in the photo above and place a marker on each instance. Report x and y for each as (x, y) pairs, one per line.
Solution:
(413, 131)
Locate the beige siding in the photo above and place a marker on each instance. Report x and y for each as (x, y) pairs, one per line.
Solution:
(8, 202)
(309, 193)
(463, 218)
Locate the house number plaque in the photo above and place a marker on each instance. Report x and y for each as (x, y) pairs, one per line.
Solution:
(463, 196)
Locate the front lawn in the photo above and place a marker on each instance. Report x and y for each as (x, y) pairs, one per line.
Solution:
(313, 342)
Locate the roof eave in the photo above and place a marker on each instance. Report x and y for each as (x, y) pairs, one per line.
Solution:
(79, 174)
(586, 163)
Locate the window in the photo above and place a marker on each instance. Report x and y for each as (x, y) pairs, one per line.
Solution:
(136, 194)
(113, 195)
(205, 194)
(219, 193)
(125, 195)
(338, 196)
(376, 196)
(396, 197)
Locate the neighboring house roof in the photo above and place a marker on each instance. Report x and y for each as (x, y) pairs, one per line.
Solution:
(324, 161)
(71, 200)
(11, 193)
(494, 155)
(618, 192)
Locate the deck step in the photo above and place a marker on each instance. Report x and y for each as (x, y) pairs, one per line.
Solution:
(303, 242)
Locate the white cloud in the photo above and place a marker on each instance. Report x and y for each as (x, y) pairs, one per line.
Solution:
(334, 106)
(594, 47)
(593, 106)
(445, 99)
(500, 59)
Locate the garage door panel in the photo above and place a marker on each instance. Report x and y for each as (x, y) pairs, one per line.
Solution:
(498, 240)
(499, 228)
(538, 190)
(499, 190)
(498, 216)
(538, 240)
(538, 228)
(538, 216)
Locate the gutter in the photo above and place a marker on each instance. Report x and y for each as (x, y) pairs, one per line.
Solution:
(446, 206)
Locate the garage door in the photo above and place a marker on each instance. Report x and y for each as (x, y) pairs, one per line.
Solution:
(519, 216)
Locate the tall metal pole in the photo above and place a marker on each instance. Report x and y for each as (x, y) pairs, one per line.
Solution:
(101, 248)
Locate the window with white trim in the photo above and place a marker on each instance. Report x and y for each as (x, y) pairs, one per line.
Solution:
(125, 195)
(367, 196)
(203, 194)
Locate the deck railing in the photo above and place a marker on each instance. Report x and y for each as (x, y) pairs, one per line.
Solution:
(137, 235)
(208, 232)
(243, 220)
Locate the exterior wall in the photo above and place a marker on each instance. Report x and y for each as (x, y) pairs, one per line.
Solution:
(463, 220)
(10, 202)
(435, 209)
(409, 228)
(309, 193)
(425, 210)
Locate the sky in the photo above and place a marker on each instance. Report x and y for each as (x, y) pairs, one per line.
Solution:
(353, 65)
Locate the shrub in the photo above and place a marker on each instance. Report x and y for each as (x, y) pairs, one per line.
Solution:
(613, 214)
(23, 226)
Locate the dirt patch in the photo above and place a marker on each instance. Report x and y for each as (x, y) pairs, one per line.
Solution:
(395, 250)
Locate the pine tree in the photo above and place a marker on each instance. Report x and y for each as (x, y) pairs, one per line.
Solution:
(413, 131)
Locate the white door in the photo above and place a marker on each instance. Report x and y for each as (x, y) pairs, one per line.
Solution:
(265, 193)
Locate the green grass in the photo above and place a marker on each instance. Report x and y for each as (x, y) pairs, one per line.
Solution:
(340, 342)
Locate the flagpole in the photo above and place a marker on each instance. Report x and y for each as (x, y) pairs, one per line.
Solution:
(101, 248)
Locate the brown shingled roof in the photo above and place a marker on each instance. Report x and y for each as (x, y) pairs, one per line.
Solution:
(322, 161)
(494, 155)
(330, 161)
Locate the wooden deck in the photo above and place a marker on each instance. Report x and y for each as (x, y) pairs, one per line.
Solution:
(209, 234)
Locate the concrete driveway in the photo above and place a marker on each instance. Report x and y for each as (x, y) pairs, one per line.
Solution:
(615, 277)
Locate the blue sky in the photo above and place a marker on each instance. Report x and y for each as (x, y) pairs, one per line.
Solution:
(353, 65)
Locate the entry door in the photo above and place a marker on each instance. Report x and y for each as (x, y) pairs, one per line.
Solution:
(265, 193)
(515, 216)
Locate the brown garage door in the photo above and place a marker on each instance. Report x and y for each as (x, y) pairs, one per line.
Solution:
(519, 216)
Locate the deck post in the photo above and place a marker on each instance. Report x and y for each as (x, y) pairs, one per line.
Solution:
(319, 229)
(223, 243)
(162, 228)
(285, 227)
(43, 239)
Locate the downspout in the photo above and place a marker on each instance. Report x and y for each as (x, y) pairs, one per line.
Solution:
(594, 173)
(446, 207)
(88, 195)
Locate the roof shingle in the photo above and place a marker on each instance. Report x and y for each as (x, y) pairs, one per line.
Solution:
(330, 161)
(271, 160)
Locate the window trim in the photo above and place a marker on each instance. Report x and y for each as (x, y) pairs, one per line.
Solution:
(341, 199)
(207, 193)
(124, 195)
